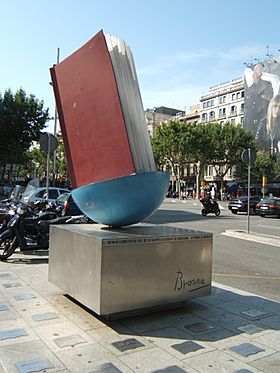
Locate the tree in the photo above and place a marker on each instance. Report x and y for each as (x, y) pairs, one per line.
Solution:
(36, 164)
(226, 143)
(22, 118)
(220, 145)
(173, 145)
(264, 166)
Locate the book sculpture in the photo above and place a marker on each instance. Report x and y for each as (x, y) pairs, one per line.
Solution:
(108, 151)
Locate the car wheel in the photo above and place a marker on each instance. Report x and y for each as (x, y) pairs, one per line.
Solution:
(234, 212)
(262, 215)
(252, 210)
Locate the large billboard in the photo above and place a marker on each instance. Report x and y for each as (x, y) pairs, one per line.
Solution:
(262, 103)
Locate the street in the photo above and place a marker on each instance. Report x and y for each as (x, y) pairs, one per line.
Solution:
(240, 263)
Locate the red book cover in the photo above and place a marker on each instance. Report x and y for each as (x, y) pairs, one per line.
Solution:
(90, 115)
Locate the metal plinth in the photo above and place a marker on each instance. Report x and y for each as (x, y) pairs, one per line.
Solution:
(112, 271)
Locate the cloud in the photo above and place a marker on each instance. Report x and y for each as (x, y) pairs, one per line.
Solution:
(179, 80)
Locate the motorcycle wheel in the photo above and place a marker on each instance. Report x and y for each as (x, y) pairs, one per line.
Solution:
(7, 247)
(217, 212)
(204, 212)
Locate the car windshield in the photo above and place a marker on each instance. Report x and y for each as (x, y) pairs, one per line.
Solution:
(268, 201)
(62, 198)
(245, 198)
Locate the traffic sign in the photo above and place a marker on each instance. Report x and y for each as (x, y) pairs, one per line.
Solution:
(48, 142)
(248, 156)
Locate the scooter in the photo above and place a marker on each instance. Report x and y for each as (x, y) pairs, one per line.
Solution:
(28, 230)
(210, 207)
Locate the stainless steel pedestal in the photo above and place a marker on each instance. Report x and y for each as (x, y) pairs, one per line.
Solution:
(117, 270)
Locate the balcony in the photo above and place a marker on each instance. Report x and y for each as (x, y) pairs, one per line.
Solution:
(233, 113)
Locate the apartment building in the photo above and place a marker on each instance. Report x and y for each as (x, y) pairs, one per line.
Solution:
(223, 103)
(156, 116)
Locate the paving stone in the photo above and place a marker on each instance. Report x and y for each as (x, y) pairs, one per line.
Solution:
(29, 352)
(104, 368)
(84, 357)
(250, 329)
(44, 316)
(24, 297)
(34, 365)
(12, 285)
(3, 307)
(246, 349)
(128, 344)
(12, 333)
(4, 274)
(187, 346)
(254, 313)
(71, 340)
(216, 361)
(171, 369)
(268, 364)
(199, 327)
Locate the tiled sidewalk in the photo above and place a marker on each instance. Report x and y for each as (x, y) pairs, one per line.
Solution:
(42, 330)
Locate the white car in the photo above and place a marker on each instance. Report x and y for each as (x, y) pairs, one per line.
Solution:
(39, 194)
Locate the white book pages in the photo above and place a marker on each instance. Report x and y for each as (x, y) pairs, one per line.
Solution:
(132, 106)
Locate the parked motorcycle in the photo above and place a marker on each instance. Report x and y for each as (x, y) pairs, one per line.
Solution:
(29, 230)
(6, 213)
(210, 207)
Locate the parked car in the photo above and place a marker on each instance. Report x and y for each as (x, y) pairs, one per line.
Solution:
(268, 206)
(241, 204)
(39, 194)
(68, 206)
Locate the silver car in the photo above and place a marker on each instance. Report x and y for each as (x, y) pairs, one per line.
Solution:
(39, 194)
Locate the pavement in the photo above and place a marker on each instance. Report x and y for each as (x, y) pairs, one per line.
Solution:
(44, 330)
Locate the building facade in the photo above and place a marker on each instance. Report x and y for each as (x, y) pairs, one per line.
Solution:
(223, 103)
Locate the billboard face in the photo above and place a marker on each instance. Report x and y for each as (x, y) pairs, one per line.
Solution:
(261, 102)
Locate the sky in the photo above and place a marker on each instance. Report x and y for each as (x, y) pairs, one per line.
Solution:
(180, 47)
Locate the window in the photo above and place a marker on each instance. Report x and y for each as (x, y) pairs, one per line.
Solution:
(233, 96)
(232, 121)
(208, 103)
(53, 194)
(238, 95)
(224, 99)
(212, 115)
(210, 170)
(204, 117)
(40, 194)
(62, 191)
(242, 94)
(222, 113)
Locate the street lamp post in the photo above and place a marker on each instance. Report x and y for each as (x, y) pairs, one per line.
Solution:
(55, 130)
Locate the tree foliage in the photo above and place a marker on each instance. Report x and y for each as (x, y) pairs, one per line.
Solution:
(173, 144)
(22, 118)
(36, 164)
(182, 143)
(263, 166)
(227, 142)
